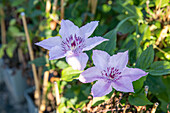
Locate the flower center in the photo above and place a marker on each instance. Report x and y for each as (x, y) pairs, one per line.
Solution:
(73, 44)
(111, 73)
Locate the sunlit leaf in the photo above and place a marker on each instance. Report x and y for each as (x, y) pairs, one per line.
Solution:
(160, 68)
(68, 74)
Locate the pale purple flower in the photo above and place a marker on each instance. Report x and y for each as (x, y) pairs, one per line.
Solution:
(111, 72)
(72, 44)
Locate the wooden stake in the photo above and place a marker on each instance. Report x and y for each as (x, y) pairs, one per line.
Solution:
(37, 90)
(154, 107)
(57, 95)
(93, 6)
(48, 6)
(3, 30)
(55, 6)
(45, 84)
(62, 9)
(89, 4)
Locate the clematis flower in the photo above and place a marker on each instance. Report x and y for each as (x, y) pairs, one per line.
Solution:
(111, 72)
(72, 44)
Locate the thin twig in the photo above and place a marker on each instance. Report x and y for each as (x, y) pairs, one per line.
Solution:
(154, 46)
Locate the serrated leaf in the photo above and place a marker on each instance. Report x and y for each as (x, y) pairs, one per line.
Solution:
(159, 68)
(139, 99)
(146, 58)
(68, 74)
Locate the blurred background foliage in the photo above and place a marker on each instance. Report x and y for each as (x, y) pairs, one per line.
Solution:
(140, 26)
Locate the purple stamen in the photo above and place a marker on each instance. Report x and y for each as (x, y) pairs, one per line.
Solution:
(75, 44)
(111, 73)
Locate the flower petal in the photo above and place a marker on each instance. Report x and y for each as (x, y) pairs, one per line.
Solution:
(119, 60)
(68, 28)
(78, 62)
(133, 73)
(56, 53)
(123, 84)
(92, 42)
(100, 59)
(89, 28)
(101, 88)
(50, 42)
(90, 75)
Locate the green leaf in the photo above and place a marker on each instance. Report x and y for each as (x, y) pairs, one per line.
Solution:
(161, 3)
(138, 84)
(110, 46)
(159, 68)
(156, 86)
(68, 74)
(69, 104)
(81, 104)
(12, 22)
(16, 2)
(10, 49)
(61, 64)
(62, 108)
(166, 82)
(2, 50)
(159, 86)
(146, 58)
(145, 31)
(41, 61)
(99, 100)
(139, 99)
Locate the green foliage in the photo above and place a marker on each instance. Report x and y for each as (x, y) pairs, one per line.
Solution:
(41, 61)
(10, 49)
(128, 24)
(68, 74)
(139, 99)
(2, 50)
(160, 68)
(110, 45)
(146, 58)
(61, 64)
(138, 84)
(159, 86)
